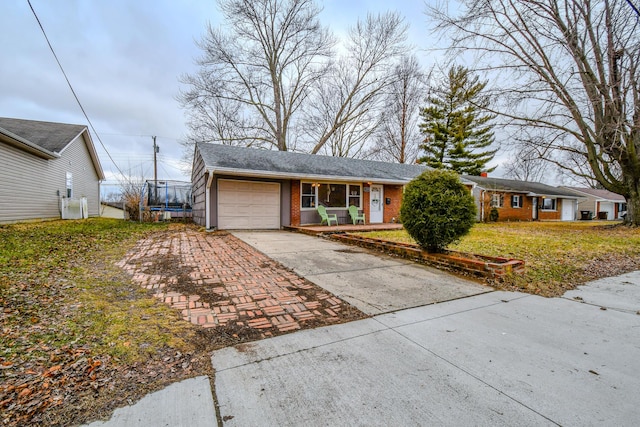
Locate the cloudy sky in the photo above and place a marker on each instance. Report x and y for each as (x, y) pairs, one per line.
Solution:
(123, 59)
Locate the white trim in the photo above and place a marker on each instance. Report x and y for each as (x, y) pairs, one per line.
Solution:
(207, 202)
(306, 177)
(348, 184)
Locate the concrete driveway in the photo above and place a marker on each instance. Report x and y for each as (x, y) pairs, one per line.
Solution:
(493, 359)
(374, 283)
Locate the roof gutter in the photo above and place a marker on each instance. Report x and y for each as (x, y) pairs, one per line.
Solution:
(310, 177)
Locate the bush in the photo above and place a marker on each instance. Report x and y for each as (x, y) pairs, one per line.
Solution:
(494, 215)
(437, 209)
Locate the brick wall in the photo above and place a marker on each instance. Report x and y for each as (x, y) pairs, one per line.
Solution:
(508, 213)
(393, 192)
(525, 213)
(366, 196)
(295, 202)
(551, 215)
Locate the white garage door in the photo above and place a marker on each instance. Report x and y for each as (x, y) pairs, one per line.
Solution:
(248, 205)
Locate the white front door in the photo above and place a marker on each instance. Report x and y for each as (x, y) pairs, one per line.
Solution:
(375, 204)
(534, 208)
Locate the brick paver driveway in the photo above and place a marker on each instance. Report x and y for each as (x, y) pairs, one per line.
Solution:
(215, 279)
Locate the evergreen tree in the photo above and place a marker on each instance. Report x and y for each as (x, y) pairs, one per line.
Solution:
(456, 129)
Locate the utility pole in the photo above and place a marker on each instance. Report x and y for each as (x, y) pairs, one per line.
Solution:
(155, 170)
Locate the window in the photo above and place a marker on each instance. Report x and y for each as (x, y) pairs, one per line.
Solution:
(330, 195)
(308, 195)
(497, 200)
(548, 204)
(354, 195)
(69, 185)
(516, 201)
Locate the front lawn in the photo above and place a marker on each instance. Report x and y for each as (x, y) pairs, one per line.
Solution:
(78, 337)
(558, 255)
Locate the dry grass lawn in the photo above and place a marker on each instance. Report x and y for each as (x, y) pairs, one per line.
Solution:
(559, 255)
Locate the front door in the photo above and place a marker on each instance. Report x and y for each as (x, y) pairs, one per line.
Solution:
(375, 204)
(534, 209)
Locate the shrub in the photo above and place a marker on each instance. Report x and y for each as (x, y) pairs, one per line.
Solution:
(437, 209)
(494, 215)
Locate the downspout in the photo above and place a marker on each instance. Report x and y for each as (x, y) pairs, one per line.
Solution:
(207, 201)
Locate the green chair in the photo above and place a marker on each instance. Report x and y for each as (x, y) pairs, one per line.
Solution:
(355, 216)
(327, 217)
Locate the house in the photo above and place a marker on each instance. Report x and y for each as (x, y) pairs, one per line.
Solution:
(602, 204)
(521, 200)
(248, 188)
(43, 167)
(112, 210)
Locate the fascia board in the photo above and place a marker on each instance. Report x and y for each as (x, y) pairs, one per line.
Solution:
(303, 177)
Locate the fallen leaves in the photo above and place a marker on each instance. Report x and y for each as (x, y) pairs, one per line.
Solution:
(27, 391)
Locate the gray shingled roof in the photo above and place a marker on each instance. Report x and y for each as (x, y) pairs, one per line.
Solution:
(599, 194)
(51, 136)
(257, 162)
(515, 186)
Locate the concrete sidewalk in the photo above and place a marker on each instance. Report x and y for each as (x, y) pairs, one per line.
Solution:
(493, 359)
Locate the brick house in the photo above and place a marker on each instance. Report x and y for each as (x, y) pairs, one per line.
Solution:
(248, 188)
(521, 200)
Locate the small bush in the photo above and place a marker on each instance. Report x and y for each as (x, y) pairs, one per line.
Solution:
(437, 209)
(494, 215)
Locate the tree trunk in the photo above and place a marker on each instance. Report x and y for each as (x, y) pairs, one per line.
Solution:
(633, 207)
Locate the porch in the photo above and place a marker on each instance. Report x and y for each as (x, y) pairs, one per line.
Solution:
(341, 228)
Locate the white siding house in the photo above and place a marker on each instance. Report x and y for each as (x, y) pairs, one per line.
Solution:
(40, 164)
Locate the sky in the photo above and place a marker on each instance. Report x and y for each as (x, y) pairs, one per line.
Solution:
(124, 59)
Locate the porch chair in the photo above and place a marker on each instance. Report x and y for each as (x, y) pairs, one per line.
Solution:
(327, 217)
(355, 216)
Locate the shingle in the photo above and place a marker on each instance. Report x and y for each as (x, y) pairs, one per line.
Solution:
(48, 135)
(599, 193)
(289, 163)
(512, 185)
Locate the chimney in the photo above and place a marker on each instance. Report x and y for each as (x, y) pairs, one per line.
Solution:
(484, 174)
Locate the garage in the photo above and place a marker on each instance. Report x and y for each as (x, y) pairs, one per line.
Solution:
(248, 205)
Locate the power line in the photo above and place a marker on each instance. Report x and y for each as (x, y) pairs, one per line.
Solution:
(73, 91)
(633, 6)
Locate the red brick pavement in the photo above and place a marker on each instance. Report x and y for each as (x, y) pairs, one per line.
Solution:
(242, 286)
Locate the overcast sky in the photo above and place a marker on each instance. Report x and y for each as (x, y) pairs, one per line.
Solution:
(124, 59)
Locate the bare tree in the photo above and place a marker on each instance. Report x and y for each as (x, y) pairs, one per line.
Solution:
(131, 187)
(353, 88)
(254, 76)
(398, 137)
(569, 69)
(526, 164)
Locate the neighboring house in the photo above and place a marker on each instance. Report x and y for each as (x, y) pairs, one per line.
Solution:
(248, 188)
(42, 163)
(522, 200)
(601, 204)
(112, 210)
